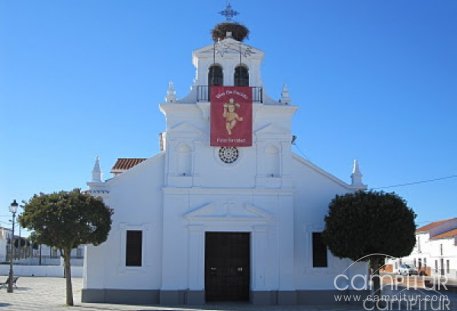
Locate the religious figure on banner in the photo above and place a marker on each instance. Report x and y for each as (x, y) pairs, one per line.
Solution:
(231, 117)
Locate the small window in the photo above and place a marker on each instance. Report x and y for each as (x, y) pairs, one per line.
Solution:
(134, 248)
(215, 76)
(418, 242)
(79, 253)
(448, 266)
(436, 265)
(241, 76)
(319, 251)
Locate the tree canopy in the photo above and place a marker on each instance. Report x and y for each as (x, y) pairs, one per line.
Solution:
(65, 220)
(368, 226)
(363, 223)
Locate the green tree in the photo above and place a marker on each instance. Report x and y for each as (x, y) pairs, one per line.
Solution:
(368, 226)
(65, 220)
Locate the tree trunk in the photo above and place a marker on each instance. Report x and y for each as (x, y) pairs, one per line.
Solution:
(376, 264)
(67, 271)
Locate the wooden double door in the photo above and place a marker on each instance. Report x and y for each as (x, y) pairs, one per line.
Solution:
(227, 266)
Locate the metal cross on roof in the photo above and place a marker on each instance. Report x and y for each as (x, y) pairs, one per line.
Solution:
(229, 13)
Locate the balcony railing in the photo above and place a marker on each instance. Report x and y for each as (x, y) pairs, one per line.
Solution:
(203, 94)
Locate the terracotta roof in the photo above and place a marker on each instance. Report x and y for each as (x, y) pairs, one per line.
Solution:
(123, 164)
(432, 225)
(448, 234)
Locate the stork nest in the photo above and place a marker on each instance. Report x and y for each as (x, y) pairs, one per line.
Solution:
(239, 32)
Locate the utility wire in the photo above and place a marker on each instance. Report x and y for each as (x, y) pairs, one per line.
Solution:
(417, 182)
(391, 186)
(300, 151)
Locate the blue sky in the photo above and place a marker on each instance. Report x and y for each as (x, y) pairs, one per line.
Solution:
(374, 81)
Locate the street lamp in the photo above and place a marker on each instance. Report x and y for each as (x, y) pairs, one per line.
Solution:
(13, 209)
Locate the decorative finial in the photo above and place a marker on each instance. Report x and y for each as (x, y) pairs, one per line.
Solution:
(171, 93)
(228, 12)
(285, 99)
(356, 177)
(96, 171)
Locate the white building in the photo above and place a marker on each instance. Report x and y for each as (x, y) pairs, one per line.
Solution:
(5, 235)
(197, 223)
(27, 254)
(435, 251)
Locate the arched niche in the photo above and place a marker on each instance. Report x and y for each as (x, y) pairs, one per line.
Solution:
(272, 156)
(184, 159)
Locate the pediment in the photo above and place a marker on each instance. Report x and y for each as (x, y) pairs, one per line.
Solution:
(272, 129)
(228, 211)
(185, 128)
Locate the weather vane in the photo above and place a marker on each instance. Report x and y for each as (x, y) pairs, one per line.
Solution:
(229, 13)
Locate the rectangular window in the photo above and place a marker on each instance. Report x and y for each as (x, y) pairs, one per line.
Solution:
(319, 251)
(436, 265)
(79, 253)
(134, 243)
(448, 266)
(418, 242)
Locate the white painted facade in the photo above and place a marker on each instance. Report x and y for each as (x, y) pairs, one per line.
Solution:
(40, 270)
(435, 248)
(5, 235)
(185, 191)
(42, 255)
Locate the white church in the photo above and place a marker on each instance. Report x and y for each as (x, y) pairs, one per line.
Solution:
(238, 218)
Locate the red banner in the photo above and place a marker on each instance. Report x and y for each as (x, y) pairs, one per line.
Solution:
(231, 116)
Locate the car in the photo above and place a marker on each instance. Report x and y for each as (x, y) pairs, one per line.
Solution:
(407, 269)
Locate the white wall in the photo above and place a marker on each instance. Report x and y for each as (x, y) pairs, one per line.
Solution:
(430, 250)
(280, 217)
(4, 236)
(136, 197)
(270, 192)
(53, 271)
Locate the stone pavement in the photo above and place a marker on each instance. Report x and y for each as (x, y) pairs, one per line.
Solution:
(48, 294)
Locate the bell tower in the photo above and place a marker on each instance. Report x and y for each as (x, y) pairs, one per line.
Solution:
(228, 62)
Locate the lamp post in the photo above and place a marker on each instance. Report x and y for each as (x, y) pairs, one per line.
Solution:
(13, 209)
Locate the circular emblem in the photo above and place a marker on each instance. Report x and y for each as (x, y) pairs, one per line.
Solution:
(228, 154)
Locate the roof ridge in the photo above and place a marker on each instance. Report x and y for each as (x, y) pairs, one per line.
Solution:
(447, 234)
(433, 224)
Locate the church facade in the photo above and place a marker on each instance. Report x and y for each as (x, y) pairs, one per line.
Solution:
(234, 217)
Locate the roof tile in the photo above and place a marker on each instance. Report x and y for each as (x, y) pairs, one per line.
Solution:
(432, 225)
(448, 234)
(123, 164)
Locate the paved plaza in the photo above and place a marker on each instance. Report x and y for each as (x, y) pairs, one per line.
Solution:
(48, 294)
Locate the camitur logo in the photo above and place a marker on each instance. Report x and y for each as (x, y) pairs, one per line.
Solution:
(398, 291)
